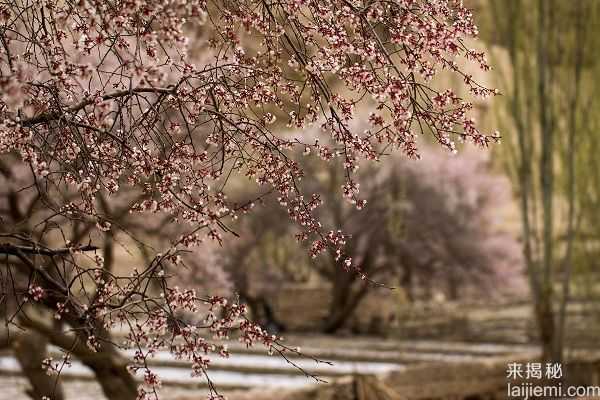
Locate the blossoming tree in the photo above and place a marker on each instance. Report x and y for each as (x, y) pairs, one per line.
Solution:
(166, 102)
(438, 224)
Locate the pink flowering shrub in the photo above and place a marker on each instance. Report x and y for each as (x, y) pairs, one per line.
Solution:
(165, 102)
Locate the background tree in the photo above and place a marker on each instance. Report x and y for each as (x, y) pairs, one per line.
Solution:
(437, 224)
(550, 89)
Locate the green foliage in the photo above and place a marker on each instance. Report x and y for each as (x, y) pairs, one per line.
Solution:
(573, 65)
(547, 66)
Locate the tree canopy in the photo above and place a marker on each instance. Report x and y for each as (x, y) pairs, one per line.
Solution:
(119, 114)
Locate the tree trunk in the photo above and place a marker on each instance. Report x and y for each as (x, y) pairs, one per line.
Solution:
(344, 302)
(546, 328)
(338, 309)
(111, 372)
(546, 176)
(30, 350)
(407, 282)
(109, 366)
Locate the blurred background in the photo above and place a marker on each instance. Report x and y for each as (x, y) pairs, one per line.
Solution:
(493, 256)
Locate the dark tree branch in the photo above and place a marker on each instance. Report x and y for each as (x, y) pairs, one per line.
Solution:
(16, 250)
(54, 115)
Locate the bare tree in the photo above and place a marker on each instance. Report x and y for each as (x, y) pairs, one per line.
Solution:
(549, 96)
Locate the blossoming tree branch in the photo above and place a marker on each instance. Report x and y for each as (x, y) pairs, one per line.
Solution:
(133, 117)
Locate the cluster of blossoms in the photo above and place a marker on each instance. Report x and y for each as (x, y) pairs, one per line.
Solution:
(187, 340)
(61, 308)
(174, 97)
(36, 292)
(55, 367)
